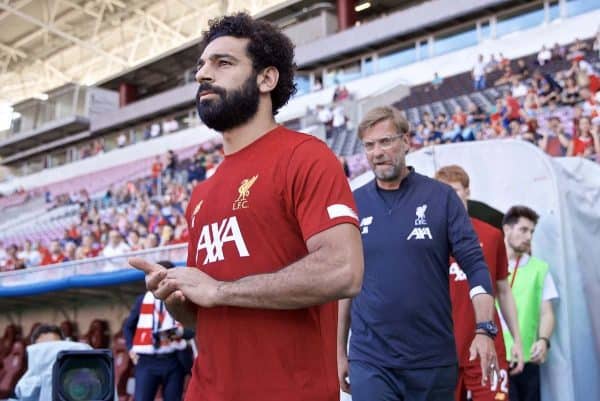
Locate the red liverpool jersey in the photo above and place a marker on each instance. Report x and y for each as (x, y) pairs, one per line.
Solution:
(254, 216)
(463, 314)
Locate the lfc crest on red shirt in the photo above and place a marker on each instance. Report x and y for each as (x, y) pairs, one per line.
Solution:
(243, 193)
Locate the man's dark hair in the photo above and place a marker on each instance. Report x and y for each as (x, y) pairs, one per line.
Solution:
(267, 47)
(516, 212)
(46, 328)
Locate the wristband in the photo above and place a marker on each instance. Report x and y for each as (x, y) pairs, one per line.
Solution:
(546, 340)
(485, 333)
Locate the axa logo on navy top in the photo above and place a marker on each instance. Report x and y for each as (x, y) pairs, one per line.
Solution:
(421, 230)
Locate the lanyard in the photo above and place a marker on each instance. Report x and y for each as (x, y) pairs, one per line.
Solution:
(512, 281)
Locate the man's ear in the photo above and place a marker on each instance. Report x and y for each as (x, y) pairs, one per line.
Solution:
(267, 79)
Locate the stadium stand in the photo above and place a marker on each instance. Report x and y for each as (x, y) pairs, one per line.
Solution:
(104, 182)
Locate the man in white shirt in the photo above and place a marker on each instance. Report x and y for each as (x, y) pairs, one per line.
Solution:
(116, 246)
(31, 257)
(479, 74)
(544, 56)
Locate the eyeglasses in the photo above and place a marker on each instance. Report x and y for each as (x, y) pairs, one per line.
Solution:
(384, 143)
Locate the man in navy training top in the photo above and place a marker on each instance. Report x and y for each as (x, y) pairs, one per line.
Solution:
(402, 344)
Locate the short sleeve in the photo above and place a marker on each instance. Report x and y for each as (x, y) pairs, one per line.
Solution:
(318, 189)
(549, 292)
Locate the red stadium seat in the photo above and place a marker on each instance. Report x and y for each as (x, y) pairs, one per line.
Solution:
(123, 365)
(14, 366)
(98, 335)
(12, 333)
(33, 327)
(70, 330)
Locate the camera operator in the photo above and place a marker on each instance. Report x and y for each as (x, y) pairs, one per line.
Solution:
(158, 347)
(46, 342)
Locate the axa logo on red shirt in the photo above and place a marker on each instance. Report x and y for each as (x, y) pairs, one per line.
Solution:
(213, 237)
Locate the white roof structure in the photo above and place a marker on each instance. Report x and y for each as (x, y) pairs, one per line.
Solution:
(46, 43)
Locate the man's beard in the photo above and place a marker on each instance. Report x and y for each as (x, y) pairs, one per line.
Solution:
(232, 108)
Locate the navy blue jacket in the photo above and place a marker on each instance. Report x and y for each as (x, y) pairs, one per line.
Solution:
(402, 316)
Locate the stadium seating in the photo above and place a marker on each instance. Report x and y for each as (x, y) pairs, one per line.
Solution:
(123, 366)
(14, 366)
(12, 334)
(98, 334)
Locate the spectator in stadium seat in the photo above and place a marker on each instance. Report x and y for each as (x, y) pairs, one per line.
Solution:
(12, 260)
(559, 52)
(54, 254)
(506, 77)
(133, 240)
(3, 254)
(511, 110)
(544, 56)
(340, 94)
(478, 73)
(522, 70)
(30, 256)
(98, 146)
(437, 81)
(116, 246)
(476, 115)
(171, 165)
(154, 340)
(151, 241)
(280, 232)
(534, 290)
(70, 251)
(518, 88)
(411, 224)
(121, 140)
(570, 95)
(554, 140)
(338, 123)
(88, 248)
(492, 244)
(577, 49)
(587, 143)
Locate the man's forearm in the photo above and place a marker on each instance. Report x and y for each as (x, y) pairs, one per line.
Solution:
(343, 325)
(484, 307)
(328, 273)
(508, 308)
(310, 281)
(184, 313)
(546, 320)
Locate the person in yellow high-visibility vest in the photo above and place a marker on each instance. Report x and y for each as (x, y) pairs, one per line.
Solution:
(533, 290)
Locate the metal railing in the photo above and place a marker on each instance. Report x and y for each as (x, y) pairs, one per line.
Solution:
(62, 271)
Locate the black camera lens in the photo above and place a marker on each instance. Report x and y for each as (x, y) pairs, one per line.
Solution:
(83, 376)
(82, 383)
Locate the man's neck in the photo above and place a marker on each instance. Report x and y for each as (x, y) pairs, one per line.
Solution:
(239, 137)
(512, 254)
(392, 185)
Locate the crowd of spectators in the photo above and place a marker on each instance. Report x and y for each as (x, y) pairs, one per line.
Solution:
(559, 113)
(142, 214)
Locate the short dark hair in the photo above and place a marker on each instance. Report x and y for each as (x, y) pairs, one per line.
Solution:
(516, 212)
(44, 329)
(267, 47)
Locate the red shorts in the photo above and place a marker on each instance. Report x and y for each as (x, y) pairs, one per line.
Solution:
(469, 381)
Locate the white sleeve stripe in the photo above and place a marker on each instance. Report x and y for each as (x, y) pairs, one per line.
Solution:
(476, 291)
(339, 210)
